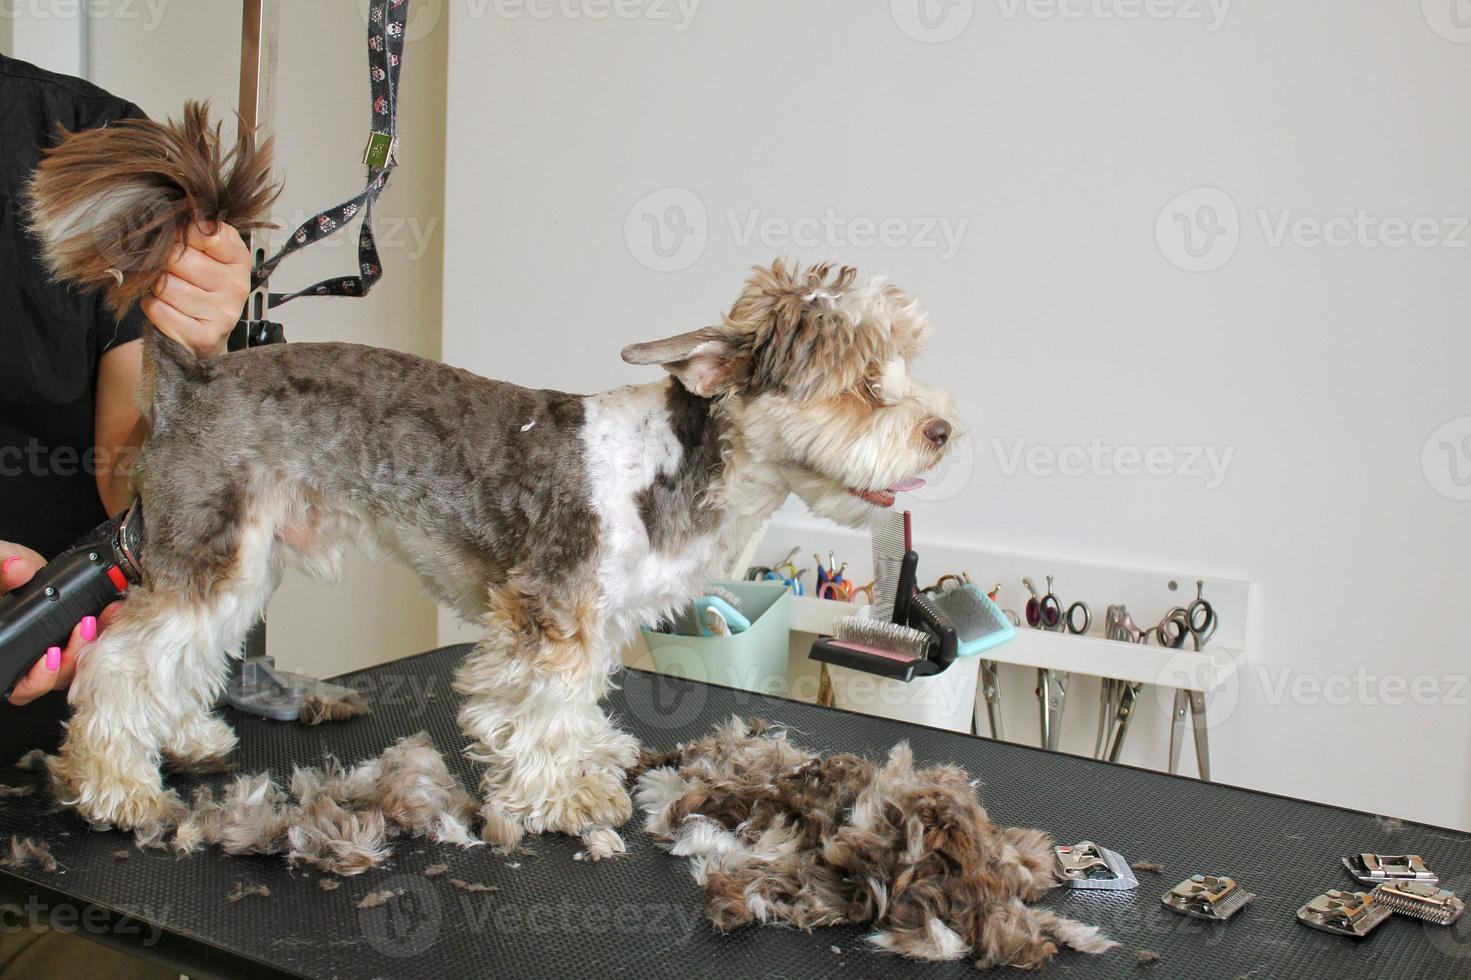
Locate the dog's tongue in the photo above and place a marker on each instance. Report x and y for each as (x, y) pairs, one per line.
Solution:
(908, 483)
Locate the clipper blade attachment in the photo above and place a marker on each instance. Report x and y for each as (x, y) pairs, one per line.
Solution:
(1214, 897)
(1353, 914)
(1372, 869)
(1086, 865)
(1420, 900)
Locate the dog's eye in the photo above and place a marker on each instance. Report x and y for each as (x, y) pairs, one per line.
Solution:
(872, 391)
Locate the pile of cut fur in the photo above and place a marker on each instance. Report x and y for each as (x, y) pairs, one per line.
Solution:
(335, 819)
(777, 833)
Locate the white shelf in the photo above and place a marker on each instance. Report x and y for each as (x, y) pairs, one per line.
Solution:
(1146, 592)
(1089, 654)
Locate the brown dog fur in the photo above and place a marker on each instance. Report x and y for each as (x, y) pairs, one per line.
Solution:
(780, 834)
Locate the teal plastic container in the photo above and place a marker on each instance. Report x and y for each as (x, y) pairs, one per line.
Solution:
(755, 660)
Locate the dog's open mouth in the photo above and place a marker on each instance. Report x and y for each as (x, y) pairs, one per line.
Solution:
(886, 496)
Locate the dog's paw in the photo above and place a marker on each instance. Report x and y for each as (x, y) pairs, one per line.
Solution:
(115, 798)
(201, 744)
(594, 800)
(599, 845)
(501, 830)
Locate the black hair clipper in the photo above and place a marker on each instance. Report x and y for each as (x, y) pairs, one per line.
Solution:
(79, 582)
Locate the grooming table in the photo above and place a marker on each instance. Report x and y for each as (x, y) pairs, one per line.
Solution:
(642, 915)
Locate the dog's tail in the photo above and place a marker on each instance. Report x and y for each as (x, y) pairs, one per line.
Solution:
(110, 206)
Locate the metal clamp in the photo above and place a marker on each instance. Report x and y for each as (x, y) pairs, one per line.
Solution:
(1213, 897)
(1086, 865)
(1372, 869)
(1353, 914)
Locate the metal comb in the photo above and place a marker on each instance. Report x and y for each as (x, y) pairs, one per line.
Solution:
(1420, 900)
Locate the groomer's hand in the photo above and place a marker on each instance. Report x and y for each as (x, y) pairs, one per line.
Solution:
(56, 667)
(199, 299)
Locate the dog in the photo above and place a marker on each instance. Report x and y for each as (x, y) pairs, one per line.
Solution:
(559, 522)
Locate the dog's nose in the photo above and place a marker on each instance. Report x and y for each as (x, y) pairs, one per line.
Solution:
(937, 431)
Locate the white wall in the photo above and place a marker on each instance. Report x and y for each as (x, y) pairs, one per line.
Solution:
(1060, 319)
(191, 50)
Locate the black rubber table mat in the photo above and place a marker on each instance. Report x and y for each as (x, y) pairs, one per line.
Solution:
(642, 915)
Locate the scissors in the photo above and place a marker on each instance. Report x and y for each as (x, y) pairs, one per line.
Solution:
(1046, 612)
(1117, 698)
(830, 581)
(1198, 622)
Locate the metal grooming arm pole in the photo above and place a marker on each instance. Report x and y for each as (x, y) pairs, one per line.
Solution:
(257, 686)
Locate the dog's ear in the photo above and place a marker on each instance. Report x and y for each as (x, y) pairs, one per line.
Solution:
(706, 361)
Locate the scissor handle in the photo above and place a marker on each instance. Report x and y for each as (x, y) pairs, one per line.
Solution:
(1178, 628)
(1201, 618)
(1051, 612)
(1034, 613)
(1069, 620)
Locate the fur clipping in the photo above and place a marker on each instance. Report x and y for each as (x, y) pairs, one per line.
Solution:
(26, 852)
(316, 709)
(110, 206)
(335, 819)
(776, 833)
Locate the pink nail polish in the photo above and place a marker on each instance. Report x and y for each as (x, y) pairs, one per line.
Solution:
(5, 566)
(53, 659)
(89, 629)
